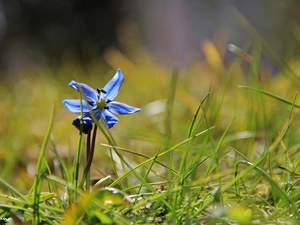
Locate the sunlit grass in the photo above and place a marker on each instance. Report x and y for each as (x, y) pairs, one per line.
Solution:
(212, 144)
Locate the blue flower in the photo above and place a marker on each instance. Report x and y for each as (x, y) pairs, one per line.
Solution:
(98, 102)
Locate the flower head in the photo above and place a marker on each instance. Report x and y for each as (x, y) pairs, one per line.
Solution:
(98, 103)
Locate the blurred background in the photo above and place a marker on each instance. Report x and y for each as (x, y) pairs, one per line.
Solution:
(43, 31)
(46, 43)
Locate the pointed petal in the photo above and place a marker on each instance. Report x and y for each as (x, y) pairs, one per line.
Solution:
(122, 108)
(113, 86)
(87, 124)
(109, 119)
(73, 105)
(89, 93)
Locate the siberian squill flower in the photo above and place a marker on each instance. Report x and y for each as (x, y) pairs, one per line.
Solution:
(98, 102)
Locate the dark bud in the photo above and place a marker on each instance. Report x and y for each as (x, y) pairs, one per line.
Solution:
(87, 124)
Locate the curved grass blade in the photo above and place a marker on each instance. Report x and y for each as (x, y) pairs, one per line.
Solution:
(196, 114)
(270, 95)
(13, 191)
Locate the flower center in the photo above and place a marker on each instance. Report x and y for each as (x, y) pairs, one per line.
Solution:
(101, 104)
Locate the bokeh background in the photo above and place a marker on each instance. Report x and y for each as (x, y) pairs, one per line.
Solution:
(42, 32)
(46, 43)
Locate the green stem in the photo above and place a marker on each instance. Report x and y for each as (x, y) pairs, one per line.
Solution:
(86, 172)
(88, 150)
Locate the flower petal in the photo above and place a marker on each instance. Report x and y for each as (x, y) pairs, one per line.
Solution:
(97, 113)
(89, 93)
(109, 119)
(87, 124)
(73, 105)
(122, 108)
(113, 86)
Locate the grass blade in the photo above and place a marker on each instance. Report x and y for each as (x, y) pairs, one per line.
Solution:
(40, 169)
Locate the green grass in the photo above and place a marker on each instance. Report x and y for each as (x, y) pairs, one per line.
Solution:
(212, 145)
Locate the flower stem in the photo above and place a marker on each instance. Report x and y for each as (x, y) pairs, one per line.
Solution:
(88, 150)
(86, 172)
